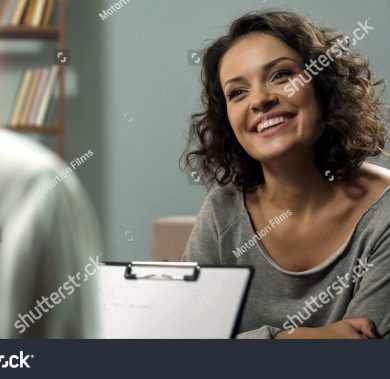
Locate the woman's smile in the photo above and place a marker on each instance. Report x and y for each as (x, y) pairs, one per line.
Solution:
(271, 124)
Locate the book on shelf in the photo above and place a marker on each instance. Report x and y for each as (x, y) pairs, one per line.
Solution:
(37, 16)
(3, 7)
(30, 13)
(49, 9)
(48, 93)
(38, 96)
(25, 97)
(18, 12)
(19, 99)
(30, 97)
(33, 96)
(6, 11)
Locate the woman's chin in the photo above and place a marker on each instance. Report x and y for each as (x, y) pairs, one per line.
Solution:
(268, 154)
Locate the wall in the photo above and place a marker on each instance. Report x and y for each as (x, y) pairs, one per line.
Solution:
(135, 66)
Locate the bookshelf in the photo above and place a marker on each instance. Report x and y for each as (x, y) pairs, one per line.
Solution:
(49, 33)
(25, 32)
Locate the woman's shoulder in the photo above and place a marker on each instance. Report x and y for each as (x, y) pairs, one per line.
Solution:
(229, 196)
(378, 173)
(225, 202)
(371, 187)
(374, 178)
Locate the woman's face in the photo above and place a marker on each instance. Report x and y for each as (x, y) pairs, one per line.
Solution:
(260, 66)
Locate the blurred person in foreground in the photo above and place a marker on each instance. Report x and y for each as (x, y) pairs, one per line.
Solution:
(49, 245)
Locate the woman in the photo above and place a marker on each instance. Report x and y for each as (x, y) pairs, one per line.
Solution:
(286, 145)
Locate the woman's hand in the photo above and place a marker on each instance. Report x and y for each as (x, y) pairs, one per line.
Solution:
(352, 328)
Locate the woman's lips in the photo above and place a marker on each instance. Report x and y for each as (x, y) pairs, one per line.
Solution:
(274, 129)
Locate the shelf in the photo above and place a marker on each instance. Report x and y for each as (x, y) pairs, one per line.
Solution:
(27, 32)
(33, 129)
(49, 33)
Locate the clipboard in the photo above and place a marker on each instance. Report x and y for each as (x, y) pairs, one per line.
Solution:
(170, 300)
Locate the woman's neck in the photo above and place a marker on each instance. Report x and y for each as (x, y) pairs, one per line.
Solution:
(295, 184)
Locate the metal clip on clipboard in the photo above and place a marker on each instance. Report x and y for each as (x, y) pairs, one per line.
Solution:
(131, 267)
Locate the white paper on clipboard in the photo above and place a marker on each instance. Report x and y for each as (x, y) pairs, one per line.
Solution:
(207, 307)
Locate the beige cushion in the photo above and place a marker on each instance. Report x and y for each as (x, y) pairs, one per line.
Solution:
(169, 237)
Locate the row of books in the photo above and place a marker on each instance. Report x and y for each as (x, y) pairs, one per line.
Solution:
(33, 13)
(32, 100)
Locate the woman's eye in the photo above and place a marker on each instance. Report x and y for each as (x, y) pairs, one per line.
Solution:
(282, 74)
(234, 93)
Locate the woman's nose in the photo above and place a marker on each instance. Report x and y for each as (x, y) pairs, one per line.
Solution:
(263, 102)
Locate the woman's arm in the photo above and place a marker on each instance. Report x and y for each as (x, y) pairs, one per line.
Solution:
(368, 313)
(203, 243)
(372, 296)
(265, 332)
(353, 328)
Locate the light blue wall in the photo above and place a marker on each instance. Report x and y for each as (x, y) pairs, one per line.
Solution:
(147, 75)
(136, 62)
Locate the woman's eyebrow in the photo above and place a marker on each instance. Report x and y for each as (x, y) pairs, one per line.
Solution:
(267, 67)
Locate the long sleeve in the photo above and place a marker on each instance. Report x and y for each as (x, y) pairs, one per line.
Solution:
(265, 332)
(372, 296)
(202, 245)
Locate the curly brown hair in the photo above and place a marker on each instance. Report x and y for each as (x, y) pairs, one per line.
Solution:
(353, 113)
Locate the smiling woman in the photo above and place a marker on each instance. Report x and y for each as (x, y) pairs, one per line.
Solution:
(267, 150)
(344, 90)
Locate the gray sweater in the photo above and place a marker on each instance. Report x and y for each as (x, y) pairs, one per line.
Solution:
(353, 282)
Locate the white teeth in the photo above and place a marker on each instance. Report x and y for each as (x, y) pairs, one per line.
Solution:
(273, 121)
